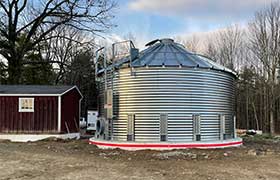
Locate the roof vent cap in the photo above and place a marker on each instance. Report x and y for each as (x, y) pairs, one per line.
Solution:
(167, 41)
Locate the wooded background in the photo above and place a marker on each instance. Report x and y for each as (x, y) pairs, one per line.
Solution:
(53, 42)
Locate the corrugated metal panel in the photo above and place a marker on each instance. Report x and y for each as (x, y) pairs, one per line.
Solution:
(43, 119)
(179, 92)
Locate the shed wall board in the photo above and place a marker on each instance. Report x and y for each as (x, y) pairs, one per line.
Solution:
(70, 117)
(43, 119)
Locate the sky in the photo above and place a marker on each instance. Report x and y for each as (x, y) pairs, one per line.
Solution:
(152, 19)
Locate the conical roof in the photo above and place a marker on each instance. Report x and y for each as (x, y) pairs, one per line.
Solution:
(167, 53)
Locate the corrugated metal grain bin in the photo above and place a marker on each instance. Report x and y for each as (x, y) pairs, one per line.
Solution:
(166, 93)
(28, 109)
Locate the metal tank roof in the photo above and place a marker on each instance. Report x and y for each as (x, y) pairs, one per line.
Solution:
(166, 52)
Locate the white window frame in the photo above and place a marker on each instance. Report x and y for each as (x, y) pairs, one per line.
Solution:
(25, 110)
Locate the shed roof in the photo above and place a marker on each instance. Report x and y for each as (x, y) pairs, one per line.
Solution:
(35, 89)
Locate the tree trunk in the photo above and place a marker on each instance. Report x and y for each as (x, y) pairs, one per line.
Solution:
(272, 126)
(256, 116)
(14, 70)
(247, 108)
(272, 105)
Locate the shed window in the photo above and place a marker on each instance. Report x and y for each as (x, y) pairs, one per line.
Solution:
(26, 105)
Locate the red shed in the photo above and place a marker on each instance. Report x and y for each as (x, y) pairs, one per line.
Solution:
(33, 110)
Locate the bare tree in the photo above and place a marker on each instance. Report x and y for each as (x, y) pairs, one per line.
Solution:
(191, 43)
(265, 44)
(132, 37)
(26, 23)
(227, 47)
(63, 46)
(230, 43)
(211, 50)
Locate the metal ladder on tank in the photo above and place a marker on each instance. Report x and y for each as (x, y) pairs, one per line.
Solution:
(133, 52)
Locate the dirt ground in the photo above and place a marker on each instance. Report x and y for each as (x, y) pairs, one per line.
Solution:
(257, 159)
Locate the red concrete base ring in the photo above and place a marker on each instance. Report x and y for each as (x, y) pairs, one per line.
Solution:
(164, 145)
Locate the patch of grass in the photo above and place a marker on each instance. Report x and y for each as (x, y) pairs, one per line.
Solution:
(263, 137)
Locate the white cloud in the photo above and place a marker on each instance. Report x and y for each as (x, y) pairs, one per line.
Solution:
(200, 9)
(112, 38)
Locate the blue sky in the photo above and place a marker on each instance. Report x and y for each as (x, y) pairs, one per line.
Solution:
(151, 19)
